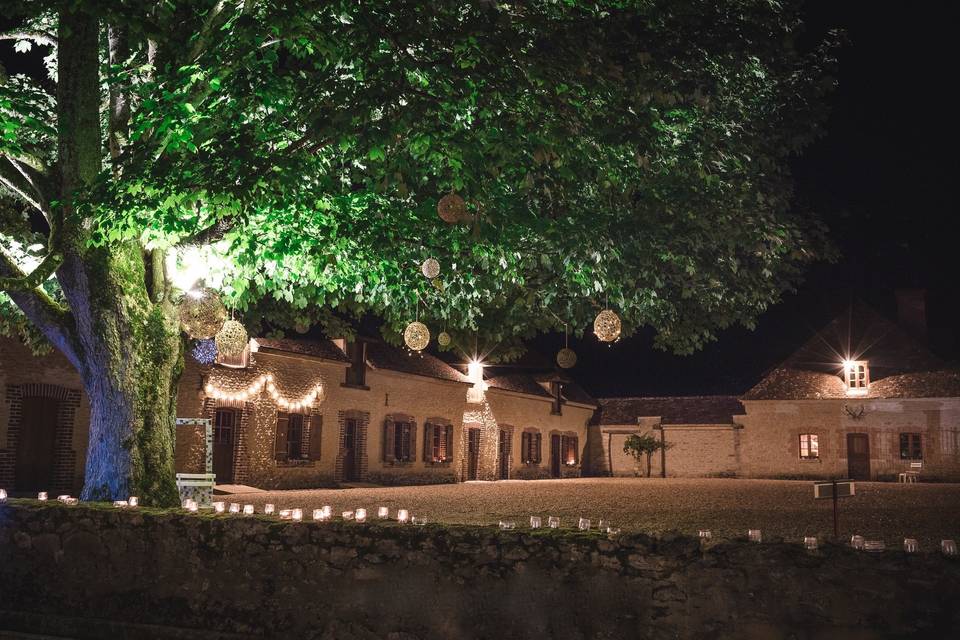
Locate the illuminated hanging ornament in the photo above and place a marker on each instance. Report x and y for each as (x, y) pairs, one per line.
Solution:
(202, 313)
(430, 268)
(443, 339)
(607, 326)
(205, 351)
(452, 208)
(566, 358)
(416, 336)
(232, 339)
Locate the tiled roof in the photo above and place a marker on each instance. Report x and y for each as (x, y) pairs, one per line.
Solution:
(381, 355)
(530, 384)
(670, 410)
(900, 366)
(325, 349)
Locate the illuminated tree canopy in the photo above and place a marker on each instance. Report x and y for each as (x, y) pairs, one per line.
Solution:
(630, 154)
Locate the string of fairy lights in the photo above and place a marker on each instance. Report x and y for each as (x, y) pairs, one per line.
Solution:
(266, 381)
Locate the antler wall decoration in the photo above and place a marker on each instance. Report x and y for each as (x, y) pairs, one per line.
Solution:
(855, 414)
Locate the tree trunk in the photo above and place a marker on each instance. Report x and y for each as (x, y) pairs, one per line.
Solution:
(127, 345)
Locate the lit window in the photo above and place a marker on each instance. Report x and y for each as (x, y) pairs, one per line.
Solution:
(438, 443)
(910, 447)
(809, 446)
(570, 450)
(856, 374)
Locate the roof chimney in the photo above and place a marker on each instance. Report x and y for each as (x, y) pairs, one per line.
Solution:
(912, 311)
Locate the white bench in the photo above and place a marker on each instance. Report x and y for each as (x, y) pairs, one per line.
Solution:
(196, 486)
(912, 474)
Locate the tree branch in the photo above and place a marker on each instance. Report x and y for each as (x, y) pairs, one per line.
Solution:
(43, 311)
(40, 37)
(27, 282)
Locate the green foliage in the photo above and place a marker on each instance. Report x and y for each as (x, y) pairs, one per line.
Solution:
(623, 153)
(639, 445)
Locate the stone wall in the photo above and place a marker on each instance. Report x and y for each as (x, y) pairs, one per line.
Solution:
(68, 569)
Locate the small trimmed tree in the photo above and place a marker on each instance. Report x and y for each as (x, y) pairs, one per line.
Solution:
(644, 444)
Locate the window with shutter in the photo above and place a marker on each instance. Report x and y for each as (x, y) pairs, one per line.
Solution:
(389, 437)
(316, 436)
(448, 443)
(295, 436)
(536, 448)
(526, 451)
(429, 453)
(280, 452)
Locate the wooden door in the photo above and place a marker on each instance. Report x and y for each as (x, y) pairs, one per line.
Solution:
(504, 454)
(225, 425)
(473, 453)
(38, 429)
(349, 450)
(858, 456)
(555, 456)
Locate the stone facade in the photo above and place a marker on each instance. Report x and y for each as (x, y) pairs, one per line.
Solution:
(772, 429)
(94, 572)
(421, 392)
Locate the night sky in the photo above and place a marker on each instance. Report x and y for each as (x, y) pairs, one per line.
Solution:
(882, 178)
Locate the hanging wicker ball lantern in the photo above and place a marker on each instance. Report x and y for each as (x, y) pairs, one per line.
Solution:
(443, 339)
(607, 326)
(416, 336)
(232, 339)
(202, 313)
(452, 208)
(205, 351)
(566, 358)
(430, 268)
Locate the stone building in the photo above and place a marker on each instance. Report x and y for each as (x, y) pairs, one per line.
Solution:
(863, 398)
(301, 413)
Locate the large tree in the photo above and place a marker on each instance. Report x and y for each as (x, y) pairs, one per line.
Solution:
(630, 154)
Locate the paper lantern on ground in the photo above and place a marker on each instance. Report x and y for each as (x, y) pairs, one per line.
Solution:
(451, 208)
(430, 268)
(202, 313)
(607, 326)
(443, 339)
(232, 339)
(417, 336)
(566, 358)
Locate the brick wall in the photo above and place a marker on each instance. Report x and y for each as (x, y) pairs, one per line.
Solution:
(51, 376)
(693, 450)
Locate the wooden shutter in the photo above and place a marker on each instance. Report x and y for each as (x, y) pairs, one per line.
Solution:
(525, 447)
(448, 443)
(410, 444)
(429, 454)
(536, 447)
(316, 437)
(388, 441)
(280, 441)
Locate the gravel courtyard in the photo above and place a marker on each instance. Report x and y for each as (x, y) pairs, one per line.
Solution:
(781, 508)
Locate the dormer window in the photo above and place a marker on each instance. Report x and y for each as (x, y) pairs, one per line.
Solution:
(556, 390)
(856, 374)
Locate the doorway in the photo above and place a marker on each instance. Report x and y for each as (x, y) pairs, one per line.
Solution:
(350, 449)
(473, 453)
(38, 430)
(858, 456)
(554, 456)
(503, 454)
(225, 425)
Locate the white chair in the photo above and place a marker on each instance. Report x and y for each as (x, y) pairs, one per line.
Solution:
(912, 474)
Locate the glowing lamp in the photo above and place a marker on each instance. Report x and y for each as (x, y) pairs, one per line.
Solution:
(553, 522)
(403, 515)
(584, 524)
(219, 507)
(535, 522)
(248, 509)
(42, 496)
(133, 501)
(754, 535)
(268, 509)
(120, 504)
(296, 515)
(234, 507)
(361, 515)
(3, 495)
